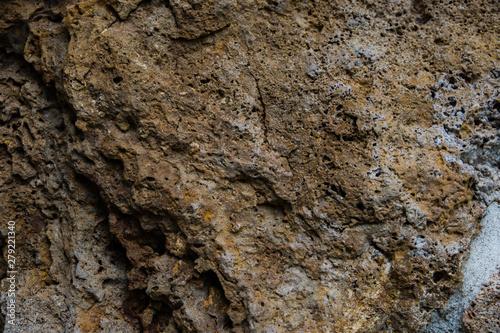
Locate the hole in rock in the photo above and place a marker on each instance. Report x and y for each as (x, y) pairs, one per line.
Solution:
(438, 276)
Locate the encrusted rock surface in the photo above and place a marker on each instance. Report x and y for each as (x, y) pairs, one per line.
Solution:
(480, 268)
(482, 314)
(245, 166)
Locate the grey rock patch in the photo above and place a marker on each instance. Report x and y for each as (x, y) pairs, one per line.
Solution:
(482, 264)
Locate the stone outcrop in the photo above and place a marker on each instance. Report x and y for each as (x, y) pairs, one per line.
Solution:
(245, 166)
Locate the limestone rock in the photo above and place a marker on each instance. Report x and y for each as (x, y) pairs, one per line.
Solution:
(245, 166)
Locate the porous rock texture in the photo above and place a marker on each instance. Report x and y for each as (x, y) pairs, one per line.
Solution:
(245, 165)
(482, 314)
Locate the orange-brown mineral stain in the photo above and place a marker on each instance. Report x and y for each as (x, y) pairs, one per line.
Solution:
(88, 321)
(208, 215)
(175, 270)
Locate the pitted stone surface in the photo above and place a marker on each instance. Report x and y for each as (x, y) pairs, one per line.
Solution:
(245, 166)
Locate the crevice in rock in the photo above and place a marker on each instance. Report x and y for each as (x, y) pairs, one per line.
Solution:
(263, 117)
(110, 9)
(133, 306)
(217, 293)
(201, 37)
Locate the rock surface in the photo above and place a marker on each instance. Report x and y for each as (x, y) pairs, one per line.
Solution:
(482, 314)
(481, 266)
(245, 166)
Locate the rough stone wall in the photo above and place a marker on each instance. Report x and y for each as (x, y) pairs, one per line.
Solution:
(245, 166)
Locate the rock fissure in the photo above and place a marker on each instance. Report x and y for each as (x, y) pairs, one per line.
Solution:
(263, 119)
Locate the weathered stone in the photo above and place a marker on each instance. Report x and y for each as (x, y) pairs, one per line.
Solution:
(245, 166)
(482, 314)
(479, 269)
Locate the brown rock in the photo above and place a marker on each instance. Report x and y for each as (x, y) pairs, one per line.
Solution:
(244, 166)
(482, 314)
